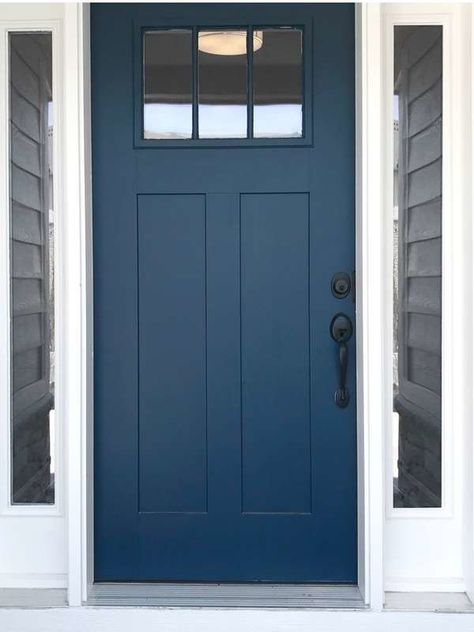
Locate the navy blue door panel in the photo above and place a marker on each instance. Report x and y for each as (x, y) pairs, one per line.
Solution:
(220, 455)
(276, 416)
(172, 353)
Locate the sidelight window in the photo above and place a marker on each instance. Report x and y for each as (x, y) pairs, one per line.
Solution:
(417, 269)
(32, 286)
(223, 84)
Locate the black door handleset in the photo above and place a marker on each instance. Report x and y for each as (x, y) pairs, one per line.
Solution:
(341, 332)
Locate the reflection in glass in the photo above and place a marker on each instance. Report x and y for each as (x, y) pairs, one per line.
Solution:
(32, 269)
(223, 93)
(417, 127)
(278, 85)
(168, 84)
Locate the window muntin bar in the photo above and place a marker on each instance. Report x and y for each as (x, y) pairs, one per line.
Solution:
(223, 83)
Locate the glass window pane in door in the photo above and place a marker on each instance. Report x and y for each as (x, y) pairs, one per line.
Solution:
(168, 84)
(278, 84)
(222, 61)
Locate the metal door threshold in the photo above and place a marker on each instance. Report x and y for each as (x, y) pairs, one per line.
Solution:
(327, 596)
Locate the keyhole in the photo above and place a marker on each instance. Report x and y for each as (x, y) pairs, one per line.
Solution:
(340, 285)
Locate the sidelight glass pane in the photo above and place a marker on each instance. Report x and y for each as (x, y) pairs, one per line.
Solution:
(417, 270)
(222, 61)
(168, 84)
(32, 383)
(278, 84)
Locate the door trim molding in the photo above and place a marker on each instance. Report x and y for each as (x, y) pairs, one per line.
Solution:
(413, 535)
(372, 369)
(79, 448)
(79, 364)
(369, 303)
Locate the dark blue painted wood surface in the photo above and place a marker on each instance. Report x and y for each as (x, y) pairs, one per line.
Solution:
(219, 452)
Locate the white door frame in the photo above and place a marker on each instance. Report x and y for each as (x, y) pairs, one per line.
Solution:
(424, 548)
(369, 309)
(373, 368)
(370, 442)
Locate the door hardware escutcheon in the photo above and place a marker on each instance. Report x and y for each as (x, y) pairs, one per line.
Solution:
(341, 285)
(341, 332)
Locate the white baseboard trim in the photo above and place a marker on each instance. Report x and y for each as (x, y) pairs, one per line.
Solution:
(425, 584)
(33, 598)
(33, 580)
(428, 602)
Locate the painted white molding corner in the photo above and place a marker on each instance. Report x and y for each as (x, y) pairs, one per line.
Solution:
(78, 245)
(369, 293)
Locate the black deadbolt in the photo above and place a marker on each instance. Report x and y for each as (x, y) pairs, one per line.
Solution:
(341, 284)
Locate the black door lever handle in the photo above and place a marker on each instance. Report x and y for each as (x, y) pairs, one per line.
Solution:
(341, 332)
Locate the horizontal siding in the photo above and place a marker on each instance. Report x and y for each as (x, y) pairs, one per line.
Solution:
(29, 215)
(26, 188)
(424, 184)
(29, 333)
(27, 296)
(420, 182)
(27, 225)
(424, 333)
(25, 116)
(426, 109)
(26, 80)
(418, 400)
(424, 221)
(27, 262)
(27, 368)
(424, 258)
(25, 153)
(425, 147)
(29, 212)
(423, 368)
(423, 295)
(426, 72)
(415, 48)
(29, 50)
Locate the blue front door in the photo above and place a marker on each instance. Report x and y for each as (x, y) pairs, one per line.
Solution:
(223, 158)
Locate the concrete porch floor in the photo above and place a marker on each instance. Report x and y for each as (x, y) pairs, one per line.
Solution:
(89, 619)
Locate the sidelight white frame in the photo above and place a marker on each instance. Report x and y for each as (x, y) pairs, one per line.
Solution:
(410, 535)
(374, 329)
(392, 17)
(40, 526)
(6, 506)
